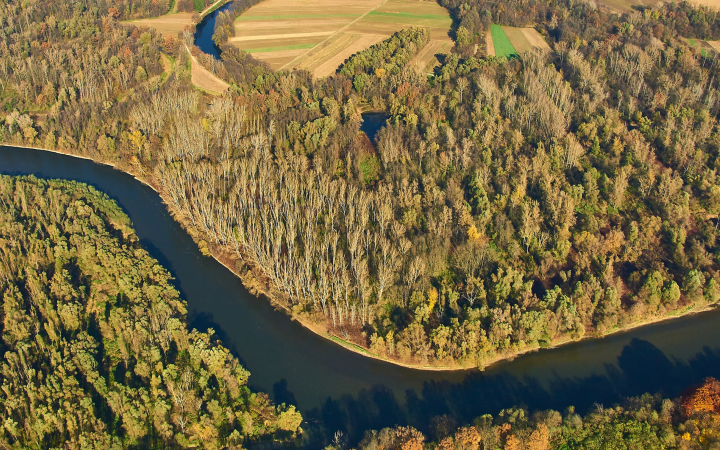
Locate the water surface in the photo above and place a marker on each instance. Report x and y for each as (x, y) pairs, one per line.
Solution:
(372, 124)
(204, 32)
(340, 390)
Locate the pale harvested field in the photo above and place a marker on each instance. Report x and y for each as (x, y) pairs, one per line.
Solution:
(714, 44)
(387, 27)
(714, 4)
(278, 44)
(292, 36)
(525, 39)
(286, 53)
(535, 38)
(425, 60)
(274, 29)
(204, 79)
(169, 24)
(280, 9)
(315, 56)
(517, 39)
(489, 44)
(261, 28)
(623, 6)
(326, 66)
(275, 61)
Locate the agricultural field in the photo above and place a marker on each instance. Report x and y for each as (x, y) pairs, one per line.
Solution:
(318, 35)
(512, 41)
(174, 22)
(425, 60)
(624, 6)
(169, 24)
(713, 4)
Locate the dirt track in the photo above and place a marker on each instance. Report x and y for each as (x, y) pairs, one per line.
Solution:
(489, 44)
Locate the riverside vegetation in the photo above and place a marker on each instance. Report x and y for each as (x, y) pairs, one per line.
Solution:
(96, 350)
(509, 204)
(641, 423)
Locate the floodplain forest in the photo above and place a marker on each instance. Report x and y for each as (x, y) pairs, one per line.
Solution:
(509, 204)
(648, 422)
(96, 350)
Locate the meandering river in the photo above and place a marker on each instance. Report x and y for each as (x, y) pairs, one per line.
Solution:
(340, 390)
(337, 389)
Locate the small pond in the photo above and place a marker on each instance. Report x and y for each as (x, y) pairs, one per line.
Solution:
(372, 123)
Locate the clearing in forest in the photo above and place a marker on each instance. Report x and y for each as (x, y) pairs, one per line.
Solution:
(509, 41)
(319, 35)
(501, 43)
(626, 6)
(167, 25)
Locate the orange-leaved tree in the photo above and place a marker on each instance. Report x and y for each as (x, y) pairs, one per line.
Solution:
(706, 398)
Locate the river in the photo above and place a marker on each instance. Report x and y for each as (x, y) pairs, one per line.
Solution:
(340, 390)
(204, 32)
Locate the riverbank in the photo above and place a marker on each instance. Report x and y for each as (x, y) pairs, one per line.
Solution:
(258, 287)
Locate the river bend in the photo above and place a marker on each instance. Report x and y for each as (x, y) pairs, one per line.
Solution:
(340, 390)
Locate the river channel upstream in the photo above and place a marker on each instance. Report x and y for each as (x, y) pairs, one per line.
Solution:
(336, 389)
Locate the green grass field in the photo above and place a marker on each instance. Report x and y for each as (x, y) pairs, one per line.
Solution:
(502, 44)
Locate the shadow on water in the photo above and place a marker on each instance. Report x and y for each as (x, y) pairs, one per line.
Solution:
(641, 367)
(281, 394)
(338, 390)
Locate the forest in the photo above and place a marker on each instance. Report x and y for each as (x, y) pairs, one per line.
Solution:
(647, 422)
(508, 205)
(96, 349)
